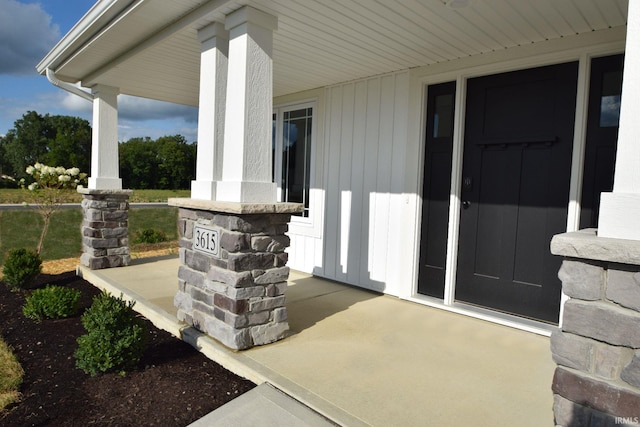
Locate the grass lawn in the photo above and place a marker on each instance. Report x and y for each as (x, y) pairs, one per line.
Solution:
(21, 228)
(11, 374)
(18, 195)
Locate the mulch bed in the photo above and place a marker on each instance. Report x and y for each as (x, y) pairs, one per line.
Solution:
(173, 385)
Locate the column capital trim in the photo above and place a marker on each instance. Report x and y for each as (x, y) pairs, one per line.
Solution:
(100, 88)
(254, 16)
(215, 29)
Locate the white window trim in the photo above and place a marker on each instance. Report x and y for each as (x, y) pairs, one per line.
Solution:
(310, 225)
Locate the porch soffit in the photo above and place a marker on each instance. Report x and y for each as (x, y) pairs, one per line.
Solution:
(150, 48)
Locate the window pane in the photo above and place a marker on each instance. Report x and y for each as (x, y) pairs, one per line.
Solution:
(443, 116)
(296, 156)
(610, 99)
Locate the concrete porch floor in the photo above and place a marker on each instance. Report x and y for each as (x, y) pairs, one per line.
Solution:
(360, 358)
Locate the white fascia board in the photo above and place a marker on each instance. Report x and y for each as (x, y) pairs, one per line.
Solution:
(95, 19)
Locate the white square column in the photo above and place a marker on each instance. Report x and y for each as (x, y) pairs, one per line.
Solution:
(105, 173)
(246, 170)
(620, 209)
(214, 41)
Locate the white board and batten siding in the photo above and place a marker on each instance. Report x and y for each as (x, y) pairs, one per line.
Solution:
(361, 150)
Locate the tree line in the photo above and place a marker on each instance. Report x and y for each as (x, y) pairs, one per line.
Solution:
(164, 163)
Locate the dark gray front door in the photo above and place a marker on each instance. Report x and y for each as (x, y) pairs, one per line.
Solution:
(515, 189)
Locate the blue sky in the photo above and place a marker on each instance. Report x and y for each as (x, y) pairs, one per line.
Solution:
(28, 30)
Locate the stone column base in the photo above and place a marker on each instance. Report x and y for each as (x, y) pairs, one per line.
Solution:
(232, 286)
(105, 228)
(597, 381)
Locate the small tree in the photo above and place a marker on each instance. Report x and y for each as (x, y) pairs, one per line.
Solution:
(51, 187)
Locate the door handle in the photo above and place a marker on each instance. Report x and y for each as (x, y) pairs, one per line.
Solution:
(466, 204)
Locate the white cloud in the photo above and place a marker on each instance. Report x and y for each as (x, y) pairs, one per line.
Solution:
(140, 117)
(134, 109)
(75, 103)
(26, 35)
(140, 109)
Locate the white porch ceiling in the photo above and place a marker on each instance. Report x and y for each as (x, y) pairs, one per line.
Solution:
(149, 48)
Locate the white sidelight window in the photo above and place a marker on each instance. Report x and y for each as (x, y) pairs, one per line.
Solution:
(292, 146)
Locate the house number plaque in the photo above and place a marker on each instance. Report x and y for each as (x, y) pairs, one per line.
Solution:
(205, 240)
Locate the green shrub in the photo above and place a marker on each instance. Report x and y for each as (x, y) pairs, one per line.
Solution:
(51, 302)
(150, 235)
(21, 267)
(115, 338)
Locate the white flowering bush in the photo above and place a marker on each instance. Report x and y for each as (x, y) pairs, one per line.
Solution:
(50, 188)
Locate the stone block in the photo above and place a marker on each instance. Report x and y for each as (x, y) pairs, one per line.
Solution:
(203, 308)
(268, 333)
(247, 223)
(98, 225)
(250, 261)
(230, 278)
(182, 285)
(190, 276)
(100, 243)
(272, 275)
(279, 314)
(571, 350)
(237, 339)
(197, 261)
(274, 244)
(631, 372)
(259, 318)
(198, 320)
(234, 242)
(609, 360)
(117, 232)
(118, 216)
(185, 243)
(117, 260)
(182, 301)
(234, 306)
(582, 280)
(276, 289)
(94, 252)
(600, 395)
(603, 322)
(201, 295)
(245, 293)
(96, 204)
(623, 287)
(569, 414)
(94, 263)
(266, 303)
(91, 232)
(184, 317)
(213, 286)
(93, 215)
(220, 314)
(281, 260)
(118, 251)
(187, 214)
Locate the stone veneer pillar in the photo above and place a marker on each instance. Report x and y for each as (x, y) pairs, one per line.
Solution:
(597, 381)
(105, 228)
(237, 295)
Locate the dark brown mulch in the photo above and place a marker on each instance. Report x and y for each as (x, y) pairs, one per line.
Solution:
(174, 384)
